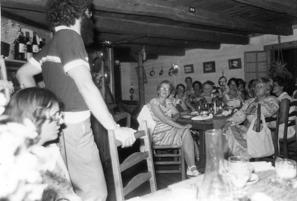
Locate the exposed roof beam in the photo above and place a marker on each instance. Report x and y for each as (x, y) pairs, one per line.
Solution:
(165, 42)
(286, 6)
(181, 13)
(22, 19)
(158, 50)
(107, 24)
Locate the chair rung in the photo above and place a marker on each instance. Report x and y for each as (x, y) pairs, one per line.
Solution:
(168, 171)
(167, 162)
(166, 147)
(167, 155)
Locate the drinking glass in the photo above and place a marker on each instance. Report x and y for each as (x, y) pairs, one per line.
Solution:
(240, 171)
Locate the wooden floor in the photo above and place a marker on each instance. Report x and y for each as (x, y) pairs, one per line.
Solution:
(163, 180)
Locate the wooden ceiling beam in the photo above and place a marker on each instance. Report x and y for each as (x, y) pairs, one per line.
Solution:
(121, 26)
(154, 50)
(181, 13)
(287, 6)
(165, 42)
(24, 20)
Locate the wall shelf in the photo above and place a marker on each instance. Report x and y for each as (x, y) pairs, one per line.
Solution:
(12, 64)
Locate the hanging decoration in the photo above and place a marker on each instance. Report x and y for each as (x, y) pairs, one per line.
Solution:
(161, 71)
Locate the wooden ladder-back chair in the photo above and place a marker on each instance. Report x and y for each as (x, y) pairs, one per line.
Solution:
(130, 161)
(166, 157)
(288, 147)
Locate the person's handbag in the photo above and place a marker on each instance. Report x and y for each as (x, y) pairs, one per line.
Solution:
(259, 144)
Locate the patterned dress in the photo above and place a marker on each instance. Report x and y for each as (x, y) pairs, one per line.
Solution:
(236, 134)
(233, 102)
(165, 134)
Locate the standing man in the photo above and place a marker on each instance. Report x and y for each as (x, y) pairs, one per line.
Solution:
(65, 69)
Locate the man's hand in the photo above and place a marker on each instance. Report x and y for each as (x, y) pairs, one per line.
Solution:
(125, 136)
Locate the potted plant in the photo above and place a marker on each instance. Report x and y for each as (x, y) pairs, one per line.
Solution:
(278, 68)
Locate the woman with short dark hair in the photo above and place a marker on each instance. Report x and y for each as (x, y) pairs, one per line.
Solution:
(233, 98)
(280, 87)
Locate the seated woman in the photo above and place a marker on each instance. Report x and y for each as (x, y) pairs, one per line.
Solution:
(42, 107)
(169, 132)
(241, 89)
(251, 86)
(197, 87)
(280, 86)
(181, 98)
(234, 139)
(233, 98)
(207, 95)
(178, 103)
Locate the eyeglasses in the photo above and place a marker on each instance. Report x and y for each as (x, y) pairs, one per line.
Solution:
(56, 117)
(165, 89)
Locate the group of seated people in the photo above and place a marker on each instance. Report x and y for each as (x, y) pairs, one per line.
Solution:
(172, 103)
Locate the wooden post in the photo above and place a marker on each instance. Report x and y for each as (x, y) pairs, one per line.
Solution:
(141, 80)
(110, 64)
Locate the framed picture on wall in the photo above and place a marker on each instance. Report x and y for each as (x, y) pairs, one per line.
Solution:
(234, 63)
(209, 67)
(189, 68)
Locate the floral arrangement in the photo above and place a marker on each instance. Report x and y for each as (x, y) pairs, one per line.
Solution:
(22, 163)
(10, 32)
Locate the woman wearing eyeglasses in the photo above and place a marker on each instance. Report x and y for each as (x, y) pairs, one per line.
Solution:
(43, 108)
(169, 132)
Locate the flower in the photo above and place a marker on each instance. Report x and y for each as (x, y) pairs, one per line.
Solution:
(10, 32)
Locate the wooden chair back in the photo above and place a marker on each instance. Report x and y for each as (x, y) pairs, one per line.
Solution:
(168, 159)
(288, 123)
(130, 161)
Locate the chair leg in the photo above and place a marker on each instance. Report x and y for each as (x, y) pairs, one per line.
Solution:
(183, 165)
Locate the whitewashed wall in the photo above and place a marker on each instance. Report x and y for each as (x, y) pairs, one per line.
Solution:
(195, 57)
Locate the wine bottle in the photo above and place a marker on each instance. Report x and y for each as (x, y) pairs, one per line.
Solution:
(35, 47)
(29, 47)
(16, 48)
(21, 48)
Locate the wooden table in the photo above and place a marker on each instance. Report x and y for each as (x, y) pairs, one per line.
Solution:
(188, 190)
(201, 127)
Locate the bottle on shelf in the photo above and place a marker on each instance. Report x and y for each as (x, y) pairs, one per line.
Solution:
(27, 43)
(16, 48)
(21, 47)
(35, 47)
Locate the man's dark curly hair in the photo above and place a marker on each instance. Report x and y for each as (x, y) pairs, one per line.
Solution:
(64, 12)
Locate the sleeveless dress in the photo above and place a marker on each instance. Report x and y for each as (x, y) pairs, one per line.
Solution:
(234, 102)
(165, 134)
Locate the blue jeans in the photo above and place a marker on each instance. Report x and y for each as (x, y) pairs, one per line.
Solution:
(83, 162)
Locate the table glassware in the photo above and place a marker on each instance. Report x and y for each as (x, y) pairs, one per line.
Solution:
(215, 186)
(285, 168)
(240, 171)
